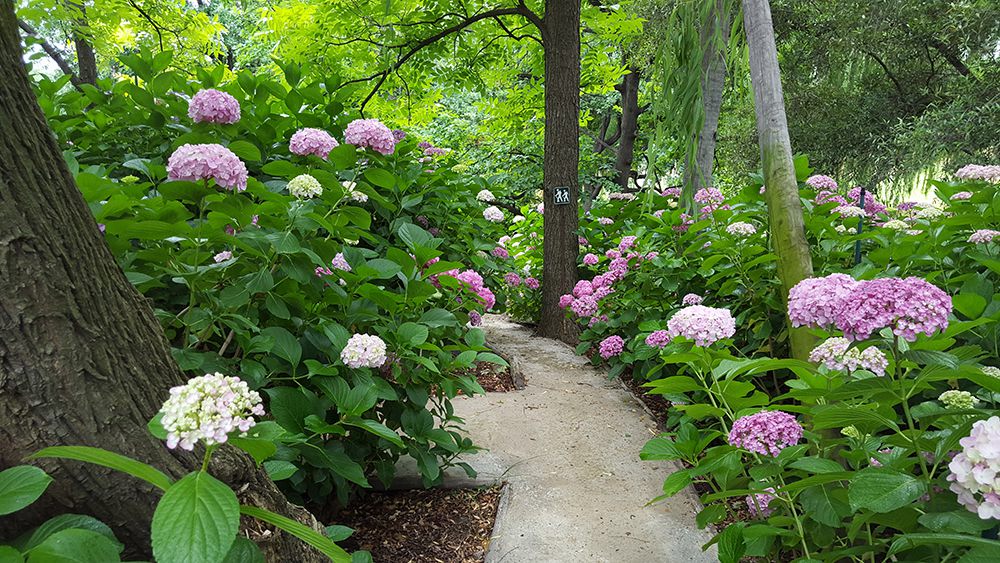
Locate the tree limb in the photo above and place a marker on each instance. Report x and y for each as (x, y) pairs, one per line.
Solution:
(950, 56)
(51, 51)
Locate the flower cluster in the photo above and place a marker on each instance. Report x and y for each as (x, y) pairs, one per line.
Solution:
(532, 283)
(304, 186)
(992, 371)
(370, 133)
(741, 229)
(990, 173)
(704, 325)
(955, 399)
(472, 281)
(611, 346)
(222, 256)
(836, 354)
(486, 196)
(850, 211)
(706, 196)
(766, 432)
(590, 259)
(758, 503)
(871, 207)
(692, 299)
(896, 225)
(204, 162)
(983, 236)
(858, 308)
(626, 243)
(621, 196)
(213, 106)
(501, 253)
(974, 471)
(961, 196)
(512, 279)
(312, 141)
(605, 221)
(493, 214)
(339, 263)
(821, 182)
(658, 339)
(363, 350)
(209, 408)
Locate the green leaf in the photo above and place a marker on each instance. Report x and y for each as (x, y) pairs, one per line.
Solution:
(196, 521)
(821, 505)
(380, 177)
(710, 515)
(435, 318)
(244, 551)
(245, 150)
(259, 450)
(731, 544)
(279, 470)
(108, 459)
(412, 333)
(676, 481)
(816, 465)
(304, 533)
(969, 304)
(338, 533)
(66, 522)
(883, 490)
(660, 448)
(376, 428)
(76, 546)
(414, 236)
(904, 541)
(286, 346)
(20, 486)
(281, 168)
(10, 555)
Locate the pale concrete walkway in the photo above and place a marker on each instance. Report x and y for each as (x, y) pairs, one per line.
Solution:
(568, 447)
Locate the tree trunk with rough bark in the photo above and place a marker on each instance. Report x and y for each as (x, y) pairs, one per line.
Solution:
(83, 360)
(85, 59)
(629, 128)
(561, 36)
(701, 154)
(784, 207)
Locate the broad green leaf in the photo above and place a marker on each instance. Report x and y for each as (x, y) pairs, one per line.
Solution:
(245, 150)
(20, 486)
(108, 459)
(412, 333)
(660, 448)
(66, 522)
(279, 470)
(376, 428)
(286, 346)
(196, 521)
(730, 543)
(244, 551)
(10, 555)
(76, 546)
(883, 490)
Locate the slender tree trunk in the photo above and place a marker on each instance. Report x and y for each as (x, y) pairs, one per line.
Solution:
(561, 35)
(85, 59)
(784, 208)
(83, 360)
(701, 154)
(629, 128)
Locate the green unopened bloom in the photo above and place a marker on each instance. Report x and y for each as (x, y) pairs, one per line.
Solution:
(955, 399)
(851, 432)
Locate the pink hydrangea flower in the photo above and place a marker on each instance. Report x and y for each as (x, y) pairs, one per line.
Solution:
(565, 300)
(213, 106)
(532, 283)
(512, 279)
(990, 173)
(340, 263)
(974, 471)
(222, 256)
(501, 253)
(817, 301)
(961, 196)
(709, 196)
(611, 346)
(583, 287)
(837, 354)
(493, 214)
(204, 162)
(983, 236)
(671, 192)
(827, 196)
(821, 182)
(597, 319)
(540, 208)
(692, 299)
(704, 325)
(590, 259)
(758, 504)
(582, 241)
(370, 133)
(605, 221)
(626, 243)
(658, 339)
(585, 306)
(312, 141)
(766, 432)
(475, 319)
(872, 205)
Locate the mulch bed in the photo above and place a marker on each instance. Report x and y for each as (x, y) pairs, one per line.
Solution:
(655, 403)
(494, 378)
(416, 526)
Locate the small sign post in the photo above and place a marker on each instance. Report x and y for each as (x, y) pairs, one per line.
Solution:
(560, 195)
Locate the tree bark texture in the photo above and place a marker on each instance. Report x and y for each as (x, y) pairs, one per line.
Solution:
(561, 36)
(701, 154)
(784, 208)
(629, 128)
(85, 59)
(83, 360)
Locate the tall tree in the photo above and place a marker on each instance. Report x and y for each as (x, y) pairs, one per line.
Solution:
(629, 128)
(784, 208)
(561, 35)
(86, 61)
(83, 360)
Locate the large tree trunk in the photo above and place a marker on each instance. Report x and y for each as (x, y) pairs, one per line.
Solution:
(85, 59)
(83, 360)
(629, 128)
(701, 154)
(561, 36)
(784, 208)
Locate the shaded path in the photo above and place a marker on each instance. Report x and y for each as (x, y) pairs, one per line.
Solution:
(568, 446)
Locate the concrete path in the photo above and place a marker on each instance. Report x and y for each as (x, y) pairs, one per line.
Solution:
(568, 447)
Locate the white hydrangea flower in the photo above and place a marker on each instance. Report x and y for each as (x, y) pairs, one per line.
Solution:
(304, 186)
(975, 470)
(364, 350)
(486, 196)
(741, 229)
(493, 214)
(209, 408)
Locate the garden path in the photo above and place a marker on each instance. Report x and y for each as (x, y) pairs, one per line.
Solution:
(568, 447)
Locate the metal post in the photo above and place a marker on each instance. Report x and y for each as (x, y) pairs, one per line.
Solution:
(861, 222)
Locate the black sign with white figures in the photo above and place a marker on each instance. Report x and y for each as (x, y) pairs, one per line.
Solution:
(561, 196)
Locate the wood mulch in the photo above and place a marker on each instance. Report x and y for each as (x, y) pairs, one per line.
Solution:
(422, 526)
(494, 378)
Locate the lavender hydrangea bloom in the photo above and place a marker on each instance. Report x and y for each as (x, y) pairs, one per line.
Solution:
(590, 259)
(821, 182)
(817, 301)
(990, 173)
(512, 279)
(208, 162)
(758, 504)
(493, 214)
(370, 133)
(532, 283)
(766, 432)
(611, 346)
(312, 141)
(709, 196)
(658, 339)
(692, 299)
(213, 106)
(961, 196)
(836, 354)
(983, 236)
(704, 325)
(340, 263)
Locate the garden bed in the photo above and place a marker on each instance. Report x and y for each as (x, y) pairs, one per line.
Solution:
(494, 378)
(423, 525)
